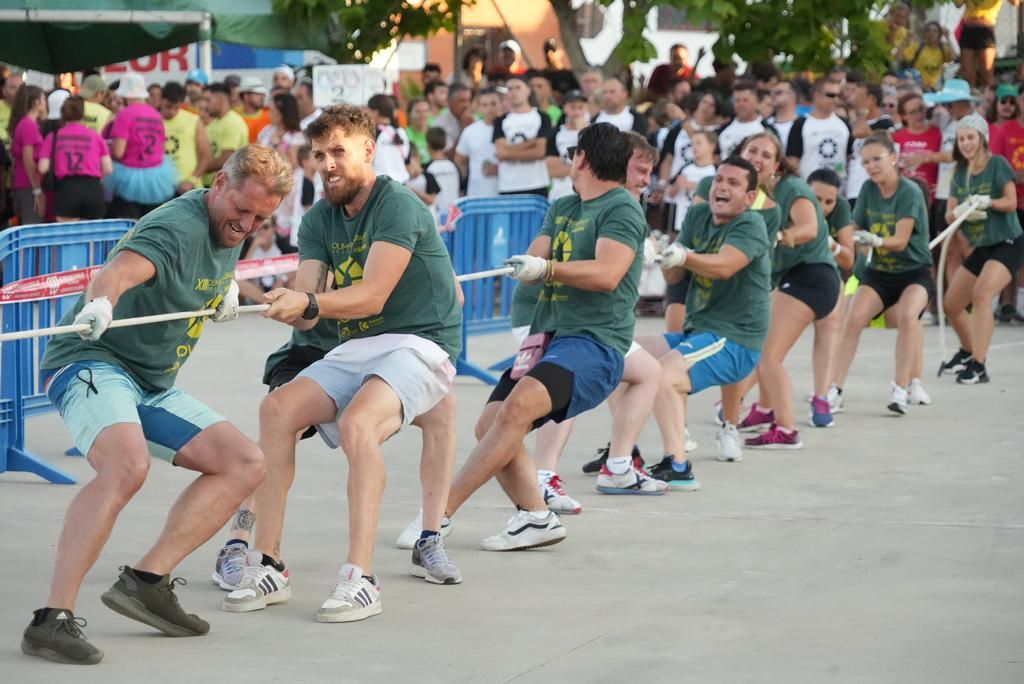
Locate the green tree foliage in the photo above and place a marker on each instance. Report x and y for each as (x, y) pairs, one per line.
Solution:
(359, 28)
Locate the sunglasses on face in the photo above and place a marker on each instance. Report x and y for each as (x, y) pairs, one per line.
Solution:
(830, 95)
(889, 105)
(1008, 100)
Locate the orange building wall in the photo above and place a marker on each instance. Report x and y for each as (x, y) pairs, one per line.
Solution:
(531, 22)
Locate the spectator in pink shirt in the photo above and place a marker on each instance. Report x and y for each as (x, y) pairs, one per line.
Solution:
(26, 183)
(79, 159)
(142, 178)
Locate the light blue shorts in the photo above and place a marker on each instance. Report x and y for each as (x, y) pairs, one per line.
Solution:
(93, 395)
(714, 360)
(417, 386)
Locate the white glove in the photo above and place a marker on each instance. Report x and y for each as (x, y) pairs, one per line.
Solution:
(527, 268)
(98, 313)
(866, 237)
(983, 201)
(674, 255)
(227, 310)
(650, 252)
(973, 215)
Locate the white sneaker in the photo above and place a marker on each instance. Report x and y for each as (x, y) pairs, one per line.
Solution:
(260, 586)
(633, 481)
(556, 498)
(728, 442)
(835, 399)
(354, 597)
(526, 531)
(898, 400)
(916, 392)
(411, 534)
(719, 419)
(691, 443)
(227, 573)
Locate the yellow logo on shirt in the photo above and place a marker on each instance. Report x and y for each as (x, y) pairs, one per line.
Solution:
(561, 248)
(349, 273)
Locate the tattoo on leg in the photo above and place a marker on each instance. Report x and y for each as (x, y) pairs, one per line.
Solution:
(244, 520)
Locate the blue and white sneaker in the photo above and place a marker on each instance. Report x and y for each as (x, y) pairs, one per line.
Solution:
(227, 573)
(633, 481)
(260, 586)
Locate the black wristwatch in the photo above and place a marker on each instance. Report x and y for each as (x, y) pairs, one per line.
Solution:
(313, 310)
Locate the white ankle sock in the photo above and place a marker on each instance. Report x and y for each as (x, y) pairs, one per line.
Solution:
(619, 465)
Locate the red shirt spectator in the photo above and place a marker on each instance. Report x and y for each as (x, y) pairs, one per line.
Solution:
(1011, 145)
(663, 74)
(918, 143)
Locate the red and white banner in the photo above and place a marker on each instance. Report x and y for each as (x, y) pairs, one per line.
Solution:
(68, 283)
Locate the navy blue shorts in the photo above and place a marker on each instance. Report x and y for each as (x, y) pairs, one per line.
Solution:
(578, 372)
(714, 360)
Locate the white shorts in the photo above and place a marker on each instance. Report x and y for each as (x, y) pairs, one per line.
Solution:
(417, 370)
(520, 333)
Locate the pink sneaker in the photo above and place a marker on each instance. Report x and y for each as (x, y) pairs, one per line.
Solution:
(776, 438)
(755, 419)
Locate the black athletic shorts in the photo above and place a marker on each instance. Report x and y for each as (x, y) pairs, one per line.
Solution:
(543, 192)
(1009, 254)
(80, 197)
(676, 293)
(816, 285)
(557, 381)
(937, 220)
(298, 360)
(889, 286)
(977, 37)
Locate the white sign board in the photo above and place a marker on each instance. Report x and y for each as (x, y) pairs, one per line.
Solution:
(352, 84)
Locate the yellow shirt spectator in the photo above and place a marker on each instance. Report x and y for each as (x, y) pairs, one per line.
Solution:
(96, 116)
(5, 118)
(229, 132)
(928, 62)
(181, 146)
(980, 11)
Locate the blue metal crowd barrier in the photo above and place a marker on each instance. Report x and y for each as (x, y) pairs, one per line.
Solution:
(25, 252)
(515, 218)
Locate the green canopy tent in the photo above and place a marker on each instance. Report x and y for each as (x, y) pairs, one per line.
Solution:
(55, 36)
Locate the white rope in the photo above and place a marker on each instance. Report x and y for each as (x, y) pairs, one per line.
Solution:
(161, 318)
(944, 238)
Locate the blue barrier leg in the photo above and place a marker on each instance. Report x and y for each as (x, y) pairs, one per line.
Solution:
(26, 462)
(504, 364)
(463, 367)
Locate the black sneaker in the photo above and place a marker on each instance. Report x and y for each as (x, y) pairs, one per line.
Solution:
(974, 374)
(1007, 312)
(153, 604)
(955, 364)
(664, 471)
(594, 467)
(56, 634)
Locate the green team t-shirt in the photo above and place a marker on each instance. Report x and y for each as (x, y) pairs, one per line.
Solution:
(192, 273)
(423, 302)
(999, 226)
(787, 191)
(772, 216)
(879, 215)
(229, 132)
(524, 301)
(574, 227)
(840, 218)
(737, 308)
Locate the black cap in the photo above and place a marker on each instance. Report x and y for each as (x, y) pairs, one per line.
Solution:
(574, 96)
(232, 81)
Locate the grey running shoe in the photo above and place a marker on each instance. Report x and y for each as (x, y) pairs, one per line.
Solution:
(59, 637)
(430, 561)
(230, 564)
(153, 604)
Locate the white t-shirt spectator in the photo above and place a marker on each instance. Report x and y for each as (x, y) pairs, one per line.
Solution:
(820, 144)
(516, 128)
(626, 120)
(425, 182)
(558, 146)
(477, 144)
(448, 179)
(946, 169)
(783, 128)
(733, 133)
(857, 173)
(303, 195)
(684, 199)
(392, 150)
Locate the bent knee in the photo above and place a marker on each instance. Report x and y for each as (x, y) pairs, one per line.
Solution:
(127, 474)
